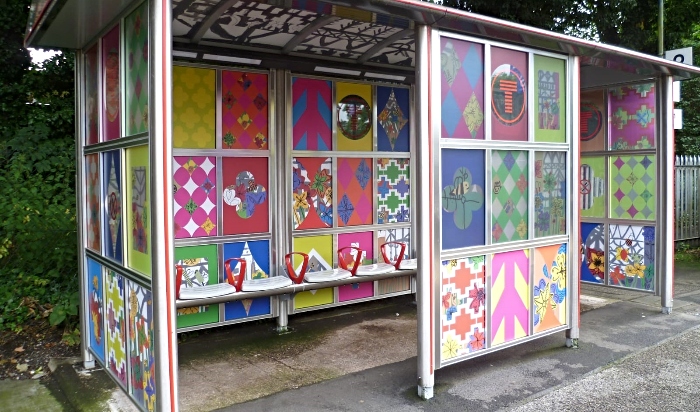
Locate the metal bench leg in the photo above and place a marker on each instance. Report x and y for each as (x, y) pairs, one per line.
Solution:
(283, 317)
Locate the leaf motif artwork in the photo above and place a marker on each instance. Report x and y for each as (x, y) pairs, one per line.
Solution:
(462, 197)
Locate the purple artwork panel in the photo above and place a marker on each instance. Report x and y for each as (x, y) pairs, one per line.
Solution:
(509, 90)
(311, 114)
(365, 241)
(632, 117)
(462, 89)
(463, 213)
(110, 85)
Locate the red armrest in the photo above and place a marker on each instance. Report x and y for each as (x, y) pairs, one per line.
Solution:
(358, 259)
(399, 259)
(296, 278)
(233, 280)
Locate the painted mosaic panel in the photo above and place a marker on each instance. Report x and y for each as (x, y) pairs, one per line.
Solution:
(136, 74)
(631, 257)
(593, 119)
(462, 198)
(116, 326)
(354, 116)
(321, 253)
(550, 289)
(393, 190)
(200, 267)
(509, 95)
(550, 193)
(194, 196)
(93, 192)
(593, 252)
(462, 89)
(96, 305)
(510, 195)
(403, 235)
(592, 187)
(510, 296)
(312, 185)
(393, 115)
(112, 205)
(194, 108)
(365, 241)
(245, 194)
(244, 110)
(312, 114)
(142, 372)
(92, 103)
(632, 117)
(111, 96)
(633, 187)
(354, 192)
(550, 91)
(257, 257)
(138, 255)
(463, 307)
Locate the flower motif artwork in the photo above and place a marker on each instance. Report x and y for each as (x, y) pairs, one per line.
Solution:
(550, 290)
(631, 257)
(312, 205)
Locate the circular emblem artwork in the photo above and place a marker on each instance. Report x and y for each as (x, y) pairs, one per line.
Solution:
(354, 117)
(591, 121)
(508, 94)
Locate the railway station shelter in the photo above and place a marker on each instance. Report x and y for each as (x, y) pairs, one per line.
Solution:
(235, 157)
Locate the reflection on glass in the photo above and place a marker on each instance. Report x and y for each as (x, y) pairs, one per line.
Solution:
(354, 117)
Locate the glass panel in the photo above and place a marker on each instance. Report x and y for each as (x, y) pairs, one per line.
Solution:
(354, 192)
(246, 204)
(632, 117)
(509, 217)
(244, 110)
(462, 89)
(550, 90)
(549, 292)
(365, 241)
(112, 230)
(93, 192)
(631, 257)
(138, 251)
(509, 119)
(393, 190)
(96, 305)
(116, 326)
(111, 98)
(320, 251)
(142, 347)
(194, 186)
(393, 127)
(550, 193)
(592, 187)
(200, 268)
(136, 75)
(463, 213)
(257, 257)
(312, 114)
(92, 103)
(593, 120)
(312, 183)
(633, 187)
(354, 116)
(194, 107)
(510, 296)
(593, 252)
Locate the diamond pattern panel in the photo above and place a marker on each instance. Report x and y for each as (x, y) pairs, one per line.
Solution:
(354, 192)
(462, 89)
(509, 173)
(393, 190)
(392, 119)
(244, 110)
(633, 187)
(194, 188)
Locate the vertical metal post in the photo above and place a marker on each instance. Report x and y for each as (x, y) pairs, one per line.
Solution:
(664, 223)
(424, 234)
(160, 125)
(280, 155)
(661, 28)
(574, 280)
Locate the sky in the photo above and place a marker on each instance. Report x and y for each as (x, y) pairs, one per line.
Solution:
(38, 55)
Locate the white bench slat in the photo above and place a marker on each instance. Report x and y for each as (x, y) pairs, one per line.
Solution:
(275, 282)
(208, 291)
(327, 275)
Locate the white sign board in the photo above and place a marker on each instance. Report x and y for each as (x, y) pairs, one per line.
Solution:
(677, 119)
(684, 55)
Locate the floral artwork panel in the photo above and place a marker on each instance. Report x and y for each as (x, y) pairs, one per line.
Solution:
(593, 121)
(592, 187)
(632, 111)
(510, 296)
(194, 108)
(257, 257)
(142, 360)
(550, 92)
(550, 193)
(365, 241)
(509, 207)
(97, 306)
(403, 235)
(549, 297)
(194, 195)
(509, 95)
(136, 73)
(312, 112)
(111, 96)
(115, 312)
(312, 189)
(354, 192)
(92, 104)
(321, 255)
(593, 254)
(244, 110)
(354, 116)
(393, 119)
(138, 219)
(631, 257)
(245, 194)
(462, 307)
(112, 204)
(463, 212)
(200, 268)
(462, 89)
(93, 194)
(393, 190)
(633, 187)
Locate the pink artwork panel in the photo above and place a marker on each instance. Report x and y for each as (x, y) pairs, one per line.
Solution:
(632, 117)
(194, 184)
(92, 171)
(365, 241)
(312, 186)
(510, 296)
(244, 110)
(311, 114)
(354, 192)
(91, 95)
(509, 92)
(245, 194)
(110, 85)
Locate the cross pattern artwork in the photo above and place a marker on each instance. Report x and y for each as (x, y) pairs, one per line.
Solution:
(393, 190)
(142, 360)
(632, 111)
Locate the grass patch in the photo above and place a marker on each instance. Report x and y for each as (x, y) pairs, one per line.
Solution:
(685, 253)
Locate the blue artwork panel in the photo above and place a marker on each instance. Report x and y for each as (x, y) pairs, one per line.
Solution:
(96, 303)
(393, 131)
(593, 252)
(463, 213)
(112, 205)
(257, 257)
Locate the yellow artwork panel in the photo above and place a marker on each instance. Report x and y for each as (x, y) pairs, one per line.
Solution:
(194, 108)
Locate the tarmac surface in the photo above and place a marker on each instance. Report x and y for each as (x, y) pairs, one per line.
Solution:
(631, 357)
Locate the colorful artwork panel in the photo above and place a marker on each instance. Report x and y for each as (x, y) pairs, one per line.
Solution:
(111, 97)
(463, 307)
(592, 187)
(463, 213)
(93, 193)
(136, 73)
(244, 110)
(96, 305)
(365, 241)
(92, 104)
(550, 289)
(632, 117)
(354, 116)
(257, 257)
(194, 108)
(509, 199)
(631, 257)
(116, 326)
(393, 190)
(593, 119)
(142, 360)
(194, 188)
(550, 92)
(245, 195)
(312, 186)
(510, 296)
(354, 192)
(312, 114)
(550, 193)
(393, 115)
(138, 253)
(509, 95)
(462, 89)
(200, 268)
(400, 284)
(320, 251)
(633, 187)
(112, 204)
(593, 252)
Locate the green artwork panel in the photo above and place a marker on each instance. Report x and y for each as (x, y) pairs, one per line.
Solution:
(200, 268)
(550, 193)
(592, 187)
(393, 190)
(633, 187)
(320, 251)
(138, 216)
(136, 76)
(550, 92)
(194, 108)
(509, 195)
